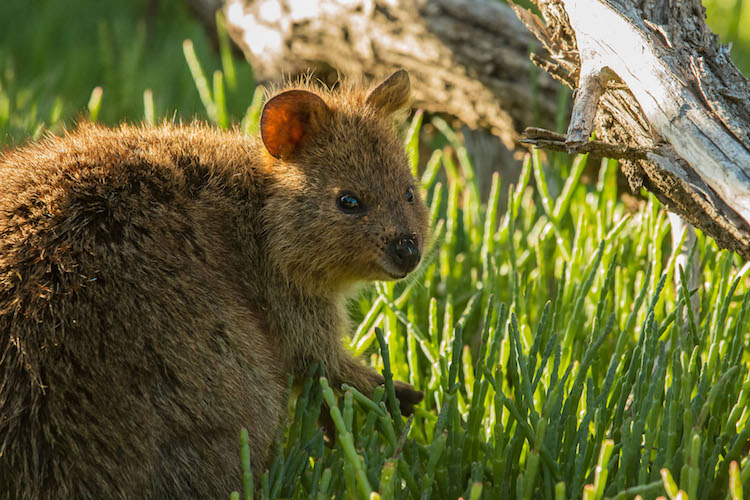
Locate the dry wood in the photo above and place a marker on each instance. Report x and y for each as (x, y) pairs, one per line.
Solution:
(650, 75)
(546, 139)
(467, 58)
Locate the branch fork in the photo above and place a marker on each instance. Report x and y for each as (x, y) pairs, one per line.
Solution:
(678, 107)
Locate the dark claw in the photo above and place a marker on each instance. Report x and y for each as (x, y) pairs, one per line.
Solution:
(408, 396)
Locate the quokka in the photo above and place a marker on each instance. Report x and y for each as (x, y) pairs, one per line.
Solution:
(158, 285)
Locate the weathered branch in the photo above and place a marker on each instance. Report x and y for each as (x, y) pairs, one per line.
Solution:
(547, 139)
(467, 58)
(651, 75)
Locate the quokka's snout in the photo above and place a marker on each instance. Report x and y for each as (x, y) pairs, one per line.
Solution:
(404, 253)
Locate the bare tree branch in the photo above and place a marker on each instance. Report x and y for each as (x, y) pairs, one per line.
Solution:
(651, 76)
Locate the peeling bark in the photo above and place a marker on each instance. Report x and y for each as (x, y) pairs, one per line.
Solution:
(651, 76)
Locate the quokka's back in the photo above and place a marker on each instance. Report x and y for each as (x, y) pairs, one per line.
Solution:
(159, 285)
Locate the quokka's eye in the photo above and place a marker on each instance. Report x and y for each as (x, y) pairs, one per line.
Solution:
(349, 203)
(409, 195)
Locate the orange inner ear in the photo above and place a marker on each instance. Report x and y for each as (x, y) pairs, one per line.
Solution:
(288, 119)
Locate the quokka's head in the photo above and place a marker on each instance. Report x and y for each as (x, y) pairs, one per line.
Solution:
(344, 206)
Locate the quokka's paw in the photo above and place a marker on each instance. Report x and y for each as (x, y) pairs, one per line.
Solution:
(407, 396)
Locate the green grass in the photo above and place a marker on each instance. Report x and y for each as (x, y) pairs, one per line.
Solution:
(547, 335)
(53, 55)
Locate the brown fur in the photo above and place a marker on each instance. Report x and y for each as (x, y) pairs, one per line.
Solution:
(159, 284)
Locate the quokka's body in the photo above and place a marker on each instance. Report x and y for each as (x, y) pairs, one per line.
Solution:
(158, 285)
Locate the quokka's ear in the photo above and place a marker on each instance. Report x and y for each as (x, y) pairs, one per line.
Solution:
(393, 94)
(288, 119)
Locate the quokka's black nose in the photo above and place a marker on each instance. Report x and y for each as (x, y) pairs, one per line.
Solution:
(404, 253)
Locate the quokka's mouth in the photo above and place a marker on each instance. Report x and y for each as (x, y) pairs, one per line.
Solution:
(391, 273)
(396, 276)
